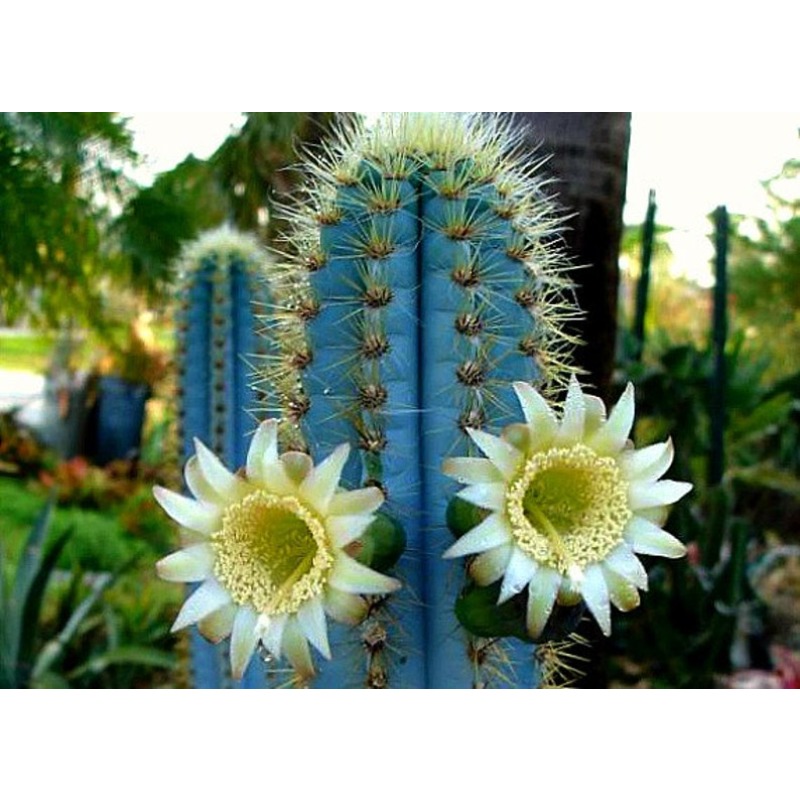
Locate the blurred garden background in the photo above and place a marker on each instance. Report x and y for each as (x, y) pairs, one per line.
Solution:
(695, 298)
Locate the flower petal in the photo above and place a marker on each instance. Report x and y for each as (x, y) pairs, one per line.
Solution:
(573, 421)
(658, 515)
(198, 485)
(518, 435)
(485, 495)
(569, 593)
(321, 483)
(346, 529)
(263, 448)
(542, 591)
(207, 599)
(190, 513)
(223, 482)
(622, 561)
(296, 649)
(661, 493)
(219, 624)
(297, 465)
(657, 469)
(595, 414)
(188, 537)
(350, 576)
(345, 607)
(359, 501)
(647, 464)
(503, 455)
(493, 531)
(275, 479)
(595, 594)
(611, 437)
(521, 568)
(244, 638)
(623, 595)
(194, 563)
(489, 567)
(538, 414)
(272, 634)
(472, 470)
(311, 617)
(650, 540)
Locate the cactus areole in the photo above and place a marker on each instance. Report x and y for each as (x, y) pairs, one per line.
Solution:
(420, 277)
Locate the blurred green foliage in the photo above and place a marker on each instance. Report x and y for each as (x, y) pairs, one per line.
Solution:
(697, 619)
(76, 230)
(765, 275)
(98, 616)
(58, 173)
(239, 183)
(101, 541)
(62, 630)
(27, 352)
(701, 619)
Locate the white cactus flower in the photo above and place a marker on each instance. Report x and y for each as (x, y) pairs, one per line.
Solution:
(572, 503)
(268, 549)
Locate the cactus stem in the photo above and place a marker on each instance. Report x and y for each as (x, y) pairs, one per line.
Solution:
(420, 216)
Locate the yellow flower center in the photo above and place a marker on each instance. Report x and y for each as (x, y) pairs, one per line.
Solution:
(272, 553)
(568, 507)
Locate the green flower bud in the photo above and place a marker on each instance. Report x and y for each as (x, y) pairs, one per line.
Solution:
(382, 544)
(463, 516)
(477, 610)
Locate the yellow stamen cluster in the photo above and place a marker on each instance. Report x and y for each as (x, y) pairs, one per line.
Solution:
(568, 507)
(272, 553)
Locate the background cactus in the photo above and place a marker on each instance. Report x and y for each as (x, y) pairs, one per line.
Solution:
(422, 274)
(220, 290)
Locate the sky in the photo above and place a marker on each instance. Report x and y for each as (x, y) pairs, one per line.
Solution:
(698, 161)
(694, 161)
(164, 139)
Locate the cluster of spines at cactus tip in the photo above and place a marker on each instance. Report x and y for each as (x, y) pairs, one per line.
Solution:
(472, 152)
(211, 259)
(423, 187)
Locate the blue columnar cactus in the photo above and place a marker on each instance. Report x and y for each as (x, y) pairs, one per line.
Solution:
(421, 275)
(220, 289)
(422, 295)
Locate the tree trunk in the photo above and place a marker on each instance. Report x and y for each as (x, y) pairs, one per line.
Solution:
(590, 159)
